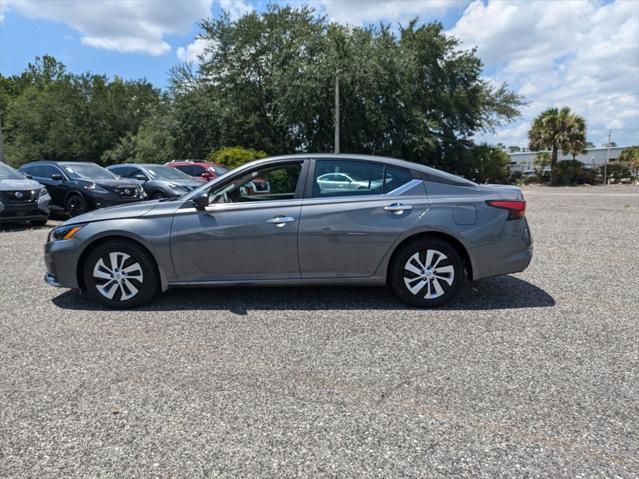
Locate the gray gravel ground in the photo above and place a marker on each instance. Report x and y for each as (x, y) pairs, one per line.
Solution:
(529, 375)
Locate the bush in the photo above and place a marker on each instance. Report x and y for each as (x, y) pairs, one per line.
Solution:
(618, 172)
(234, 156)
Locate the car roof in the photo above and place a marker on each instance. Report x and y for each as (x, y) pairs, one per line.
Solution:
(197, 163)
(426, 170)
(54, 162)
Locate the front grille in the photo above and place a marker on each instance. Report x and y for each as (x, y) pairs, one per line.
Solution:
(18, 196)
(127, 191)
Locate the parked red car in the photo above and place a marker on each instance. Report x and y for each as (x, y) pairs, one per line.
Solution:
(199, 169)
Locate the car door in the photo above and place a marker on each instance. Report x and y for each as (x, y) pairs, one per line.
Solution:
(242, 236)
(57, 187)
(347, 233)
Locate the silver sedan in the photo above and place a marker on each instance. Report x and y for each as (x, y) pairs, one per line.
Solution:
(417, 229)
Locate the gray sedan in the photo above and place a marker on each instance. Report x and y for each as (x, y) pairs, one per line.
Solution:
(159, 181)
(417, 229)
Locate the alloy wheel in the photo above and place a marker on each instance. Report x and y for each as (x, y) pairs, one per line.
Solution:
(428, 274)
(118, 276)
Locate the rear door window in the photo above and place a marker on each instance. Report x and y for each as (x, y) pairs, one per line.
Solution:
(395, 177)
(347, 178)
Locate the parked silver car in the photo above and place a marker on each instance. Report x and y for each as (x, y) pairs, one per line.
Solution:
(410, 226)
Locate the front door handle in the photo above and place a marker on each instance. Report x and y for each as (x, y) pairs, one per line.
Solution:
(280, 221)
(398, 208)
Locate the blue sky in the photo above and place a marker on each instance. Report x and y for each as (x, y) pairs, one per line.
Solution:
(581, 53)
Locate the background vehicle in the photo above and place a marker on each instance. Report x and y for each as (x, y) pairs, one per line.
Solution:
(21, 198)
(338, 182)
(77, 187)
(421, 231)
(198, 169)
(158, 181)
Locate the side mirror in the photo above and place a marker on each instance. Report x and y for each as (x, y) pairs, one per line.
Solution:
(28, 177)
(141, 177)
(201, 200)
(57, 177)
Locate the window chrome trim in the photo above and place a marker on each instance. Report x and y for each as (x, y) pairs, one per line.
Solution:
(404, 188)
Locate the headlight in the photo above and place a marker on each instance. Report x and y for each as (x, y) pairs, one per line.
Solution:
(94, 187)
(64, 232)
(42, 192)
(143, 193)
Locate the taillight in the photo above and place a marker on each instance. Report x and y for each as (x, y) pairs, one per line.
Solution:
(516, 208)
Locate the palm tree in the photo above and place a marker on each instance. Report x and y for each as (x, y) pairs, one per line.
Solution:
(576, 142)
(556, 129)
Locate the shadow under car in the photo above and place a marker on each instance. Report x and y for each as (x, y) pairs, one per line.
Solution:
(502, 292)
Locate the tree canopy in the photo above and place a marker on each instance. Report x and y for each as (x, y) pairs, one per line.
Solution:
(266, 82)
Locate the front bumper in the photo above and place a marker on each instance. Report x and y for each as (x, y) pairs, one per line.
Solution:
(61, 260)
(24, 211)
(106, 201)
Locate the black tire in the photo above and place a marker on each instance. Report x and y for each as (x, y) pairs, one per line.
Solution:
(76, 205)
(146, 288)
(158, 195)
(39, 223)
(426, 293)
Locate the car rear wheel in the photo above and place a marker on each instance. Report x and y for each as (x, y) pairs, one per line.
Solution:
(76, 205)
(120, 274)
(427, 272)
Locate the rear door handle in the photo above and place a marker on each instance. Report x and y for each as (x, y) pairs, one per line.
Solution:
(280, 221)
(398, 208)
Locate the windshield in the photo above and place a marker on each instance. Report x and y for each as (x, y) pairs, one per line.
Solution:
(88, 172)
(166, 173)
(8, 173)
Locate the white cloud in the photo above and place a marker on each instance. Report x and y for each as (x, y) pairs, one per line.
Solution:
(124, 25)
(236, 8)
(192, 52)
(357, 12)
(582, 54)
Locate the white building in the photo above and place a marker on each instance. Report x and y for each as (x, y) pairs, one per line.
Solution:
(524, 160)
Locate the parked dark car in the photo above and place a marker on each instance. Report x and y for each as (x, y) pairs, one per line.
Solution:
(21, 198)
(158, 181)
(198, 169)
(78, 187)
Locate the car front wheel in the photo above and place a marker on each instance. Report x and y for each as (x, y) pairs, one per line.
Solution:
(426, 272)
(76, 205)
(120, 274)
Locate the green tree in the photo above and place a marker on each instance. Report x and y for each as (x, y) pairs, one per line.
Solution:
(630, 156)
(48, 113)
(490, 164)
(270, 80)
(235, 156)
(556, 129)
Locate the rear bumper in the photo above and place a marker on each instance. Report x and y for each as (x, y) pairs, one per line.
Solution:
(511, 253)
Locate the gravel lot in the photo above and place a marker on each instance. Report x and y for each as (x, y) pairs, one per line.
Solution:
(529, 375)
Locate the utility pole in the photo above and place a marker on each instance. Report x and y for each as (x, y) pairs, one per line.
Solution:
(607, 160)
(2, 160)
(337, 112)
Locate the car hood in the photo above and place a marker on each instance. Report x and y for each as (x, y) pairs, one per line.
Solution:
(185, 182)
(131, 210)
(14, 185)
(115, 183)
